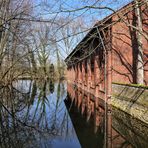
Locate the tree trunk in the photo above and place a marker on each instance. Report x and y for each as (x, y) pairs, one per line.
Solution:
(140, 69)
(32, 60)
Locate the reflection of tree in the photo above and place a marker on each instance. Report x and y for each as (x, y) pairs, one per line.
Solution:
(9, 121)
(34, 116)
(60, 117)
(54, 120)
(32, 97)
(33, 93)
(41, 104)
(12, 124)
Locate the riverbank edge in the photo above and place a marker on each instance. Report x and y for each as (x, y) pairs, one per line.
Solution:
(132, 100)
(128, 98)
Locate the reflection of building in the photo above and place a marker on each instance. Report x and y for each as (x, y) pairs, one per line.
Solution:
(107, 53)
(88, 121)
(94, 129)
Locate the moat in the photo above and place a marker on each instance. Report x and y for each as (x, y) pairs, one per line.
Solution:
(58, 115)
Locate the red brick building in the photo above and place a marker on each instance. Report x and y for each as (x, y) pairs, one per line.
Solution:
(107, 53)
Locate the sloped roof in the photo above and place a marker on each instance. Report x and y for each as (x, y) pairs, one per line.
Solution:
(101, 24)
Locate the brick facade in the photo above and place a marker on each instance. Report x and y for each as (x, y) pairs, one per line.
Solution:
(93, 65)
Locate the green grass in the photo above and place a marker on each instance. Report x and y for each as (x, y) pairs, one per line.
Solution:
(132, 85)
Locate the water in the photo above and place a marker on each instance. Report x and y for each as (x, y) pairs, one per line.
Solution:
(57, 115)
(36, 116)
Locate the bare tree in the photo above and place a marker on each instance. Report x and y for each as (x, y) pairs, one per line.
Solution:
(140, 66)
(13, 34)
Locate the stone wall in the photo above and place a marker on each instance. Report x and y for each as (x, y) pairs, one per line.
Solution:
(134, 130)
(132, 100)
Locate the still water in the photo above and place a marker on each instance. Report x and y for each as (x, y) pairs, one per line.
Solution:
(56, 115)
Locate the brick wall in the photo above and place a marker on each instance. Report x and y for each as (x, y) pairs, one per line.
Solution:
(124, 44)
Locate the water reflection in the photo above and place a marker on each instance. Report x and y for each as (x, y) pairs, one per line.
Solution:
(51, 86)
(33, 114)
(97, 127)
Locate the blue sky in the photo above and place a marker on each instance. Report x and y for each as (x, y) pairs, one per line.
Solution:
(47, 10)
(57, 5)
